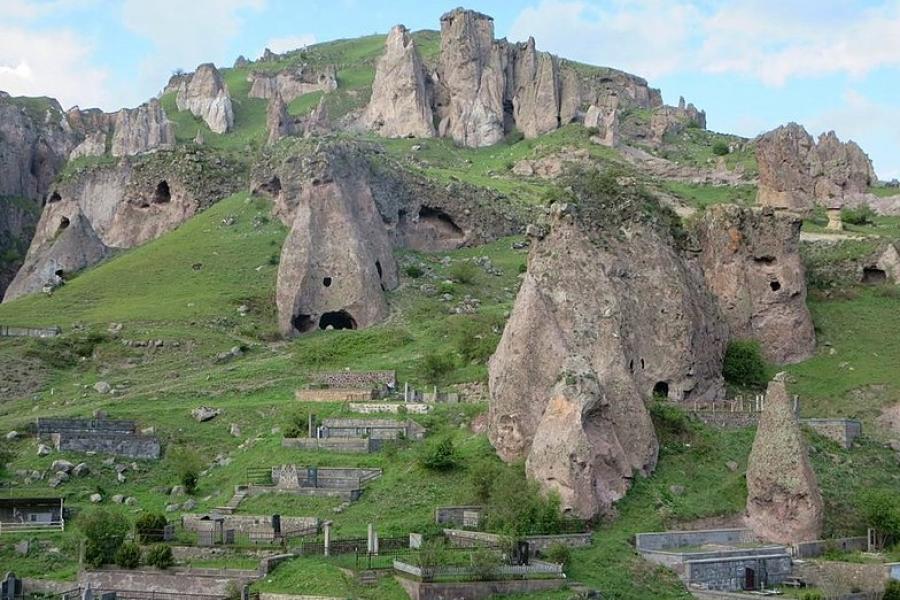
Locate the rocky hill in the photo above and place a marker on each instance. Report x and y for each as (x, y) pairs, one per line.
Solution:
(586, 267)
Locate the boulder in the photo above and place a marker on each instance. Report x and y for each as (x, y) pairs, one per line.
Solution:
(61, 465)
(81, 470)
(795, 172)
(606, 120)
(205, 413)
(235, 430)
(58, 479)
(751, 263)
(784, 504)
(95, 498)
(102, 387)
(141, 129)
(400, 104)
(12, 435)
(118, 499)
(43, 450)
(278, 122)
(130, 501)
(205, 94)
(604, 320)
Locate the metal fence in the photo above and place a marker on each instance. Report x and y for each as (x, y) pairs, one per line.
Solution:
(32, 527)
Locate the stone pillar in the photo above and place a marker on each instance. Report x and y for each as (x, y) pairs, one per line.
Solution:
(327, 526)
(370, 540)
(312, 426)
(834, 220)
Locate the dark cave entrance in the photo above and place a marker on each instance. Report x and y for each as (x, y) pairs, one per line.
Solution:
(661, 390)
(775, 285)
(60, 273)
(271, 187)
(162, 195)
(340, 319)
(63, 224)
(326, 281)
(441, 221)
(54, 197)
(874, 276)
(303, 323)
(380, 275)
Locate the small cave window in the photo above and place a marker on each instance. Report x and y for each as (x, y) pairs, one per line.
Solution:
(442, 220)
(60, 273)
(874, 275)
(642, 363)
(64, 223)
(272, 187)
(775, 285)
(765, 260)
(162, 195)
(303, 323)
(661, 390)
(340, 319)
(631, 365)
(380, 274)
(54, 197)
(326, 281)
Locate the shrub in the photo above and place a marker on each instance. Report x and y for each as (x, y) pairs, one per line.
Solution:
(160, 556)
(482, 476)
(485, 563)
(517, 507)
(720, 149)
(65, 351)
(474, 339)
(892, 590)
(104, 533)
(187, 465)
(862, 215)
(811, 596)
(149, 527)
(440, 456)
(446, 287)
(744, 365)
(432, 553)
(558, 553)
(297, 425)
(414, 271)
(129, 556)
(274, 259)
(882, 513)
(435, 367)
(463, 272)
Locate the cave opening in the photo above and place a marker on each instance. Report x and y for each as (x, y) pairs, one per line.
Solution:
(661, 390)
(441, 220)
(326, 281)
(60, 273)
(273, 186)
(63, 224)
(766, 260)
(54, 197)
(162, 195)
(874, 276)
(380, 275)
(775, 285)
(303, 323)
(340, 319)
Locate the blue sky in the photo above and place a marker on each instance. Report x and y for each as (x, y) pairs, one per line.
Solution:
(752, 64)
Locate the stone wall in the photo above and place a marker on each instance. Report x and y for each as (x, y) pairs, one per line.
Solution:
(842, 577)
(459, 516)
(671, 540)
(475, 590)
(335, 395)
(369, 408)
(250, 523)
(7, 331)
(190, 553)
(339, 445)
(730, 573)
(727, 420)
(157, 581)
(820, 547)
(129, 446)
(537, 544)
(842, 431)
(49, 426)
(356, 379)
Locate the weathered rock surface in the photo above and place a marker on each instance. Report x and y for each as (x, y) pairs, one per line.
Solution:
(317, 122)
(536, 94)
(278, 122)
(604, 319)
(94, 144)
(293, 83)
(751, 262)
(784, 504)
(141, 129)
(205, 94)
(606, 120)
(400, 104)
(796, 172)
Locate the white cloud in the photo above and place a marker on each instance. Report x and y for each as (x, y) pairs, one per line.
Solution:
(54, 63)
(770, 40)
(280, 45)
(184, 34)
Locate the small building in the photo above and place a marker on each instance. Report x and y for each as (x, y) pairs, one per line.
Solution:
(31, 514)
(377, 429)
(101, 436)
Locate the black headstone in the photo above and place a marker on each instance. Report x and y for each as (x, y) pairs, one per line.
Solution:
(276, 524)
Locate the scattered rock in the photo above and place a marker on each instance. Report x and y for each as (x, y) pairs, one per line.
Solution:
(118, 499)
(732, 466)
(189, 505)
(61, 465)
(81, 470)
(12, 435)
(676, 490)
(130, 501)
(43, 450)
(178, 490)
(205, 413)
(235, 430)
(96, 498)
(171, 507)
(102, 387)
(23, 547)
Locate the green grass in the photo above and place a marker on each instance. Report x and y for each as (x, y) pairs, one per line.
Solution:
(884, 191)
(701, 196)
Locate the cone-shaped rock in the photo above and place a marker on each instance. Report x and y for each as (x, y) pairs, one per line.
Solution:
(783, 500)
(278, 121)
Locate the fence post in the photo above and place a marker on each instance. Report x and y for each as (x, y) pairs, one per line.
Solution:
(327, 527)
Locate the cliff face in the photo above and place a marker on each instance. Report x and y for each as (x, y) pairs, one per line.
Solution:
(292, 84)
(601, 323)
(795, 172)
(141, 129)
(205, 94)
(751, 262)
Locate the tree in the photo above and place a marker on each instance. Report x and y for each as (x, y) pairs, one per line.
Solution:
(149, 527)
(744, 365)
(104, 532)
(187, 465)
(881, 510)
(435, 367)
(441, 456)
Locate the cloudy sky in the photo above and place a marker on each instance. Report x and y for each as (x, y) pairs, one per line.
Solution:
(752, 64)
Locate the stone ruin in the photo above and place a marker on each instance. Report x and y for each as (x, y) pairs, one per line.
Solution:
(784, 504)
(101, 436)
(345, 483)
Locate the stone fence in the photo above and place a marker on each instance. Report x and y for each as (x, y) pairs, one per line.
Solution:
(672, 540)
(127, 445)
(46, 426)
(843, 577)
(458, 516)
(338, 445)
(372, 408)
(537, 544)
(819, 547)
(536, 567)
(335, 395)
(249, 523)
(476, 590)
(171, 581)
(356, 379)
(35, 332)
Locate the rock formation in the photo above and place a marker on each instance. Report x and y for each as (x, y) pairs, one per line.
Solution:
(293, 83)
(751, 261)
(400, 104)
(536, 97)
(94, 144)
(278, 122)
(783, 500)
(667, 120)
(605, 120)
(604, 319)
(317, 123)
(205, 94)
(795, 172)
(141, 129)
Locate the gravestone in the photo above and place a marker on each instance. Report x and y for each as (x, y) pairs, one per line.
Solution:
(11, 587)
(108, 596)
(276, 524)
(206, 538)
(168, 533)
(229, 537)
(87, 593)
(312, 476)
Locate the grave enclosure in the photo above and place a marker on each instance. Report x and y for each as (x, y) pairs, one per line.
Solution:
(101, 436)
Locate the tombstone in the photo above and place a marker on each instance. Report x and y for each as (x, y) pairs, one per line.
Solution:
(311, 431)
(169, 533)
(108, 596)
(276, 524)
(229, 537)
(87, 593)
(471, 518)
(415, 540)
(520, 553)
(11, 587)
(312, 476)
(370, 539)
(327, 526)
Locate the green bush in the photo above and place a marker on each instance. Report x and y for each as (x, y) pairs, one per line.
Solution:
(433, 553)
(440, 456)
(64, 352)
(160, 556)
(463, 272)
(297, 424)
(435, 366)
(558, 553)
(517, 507)
(187, 465)
(881, 510)
(149, 527)
(892, 590)
(414, 271)
(744, 365)
(104, 532)
(482, 476)
(474, 339)
(862, 215)
(485, 563)
(811, 596)
(720, 149)
(129, 556)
